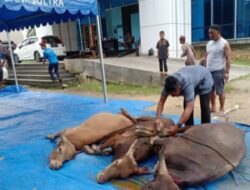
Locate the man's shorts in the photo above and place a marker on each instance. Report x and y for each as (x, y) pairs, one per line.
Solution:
(219, 81)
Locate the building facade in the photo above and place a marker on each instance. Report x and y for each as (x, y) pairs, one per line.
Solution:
(144, 19)
(232, 15)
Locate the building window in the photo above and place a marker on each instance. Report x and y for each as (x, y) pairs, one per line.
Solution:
(116, 3)
(243, 18)
(201, 19)
(223, 14)
(128, 2)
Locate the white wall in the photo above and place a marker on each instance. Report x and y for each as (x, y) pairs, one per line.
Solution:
(171, 16)
(44, 30)
(67, 32)
(15, 36)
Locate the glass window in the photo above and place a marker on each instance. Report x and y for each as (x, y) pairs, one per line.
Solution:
(243, 18)
(127, 2)
(224, 15)
(201, 19)
(116, 3)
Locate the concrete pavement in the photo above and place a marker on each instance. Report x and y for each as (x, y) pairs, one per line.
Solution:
(150, 63)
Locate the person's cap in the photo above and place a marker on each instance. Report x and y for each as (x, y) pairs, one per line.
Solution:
(215, 27)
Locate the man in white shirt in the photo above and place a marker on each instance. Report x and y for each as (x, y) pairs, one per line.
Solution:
(218, 62)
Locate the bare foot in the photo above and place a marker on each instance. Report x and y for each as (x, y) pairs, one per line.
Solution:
(213, 110)
(221, 112)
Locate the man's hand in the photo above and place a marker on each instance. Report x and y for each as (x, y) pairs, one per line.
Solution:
(226, 76)
(173, 130)
(158, 123)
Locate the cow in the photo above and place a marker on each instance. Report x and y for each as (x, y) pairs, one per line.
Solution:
(201, 154)
(91, 131)
(126, 155)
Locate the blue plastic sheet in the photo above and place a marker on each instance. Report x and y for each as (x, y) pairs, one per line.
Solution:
(27, 117)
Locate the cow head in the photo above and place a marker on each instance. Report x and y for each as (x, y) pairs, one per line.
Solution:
(162, 179)
(122, 167)
(64, 151)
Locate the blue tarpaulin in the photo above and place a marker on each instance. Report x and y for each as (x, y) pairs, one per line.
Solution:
(17, 14)
(27, 117)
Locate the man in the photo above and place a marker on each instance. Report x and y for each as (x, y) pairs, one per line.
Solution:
(218, 55)
(188, 51)
(162, 46)
(2, 62)
(188, 82)
(50, 55)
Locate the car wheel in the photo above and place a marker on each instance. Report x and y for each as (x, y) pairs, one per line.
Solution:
(37, 57)
(16, 59)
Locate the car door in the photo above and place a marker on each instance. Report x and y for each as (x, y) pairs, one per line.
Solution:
(30, 50)
(21, 50)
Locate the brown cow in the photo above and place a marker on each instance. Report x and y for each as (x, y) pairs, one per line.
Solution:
(205, 153)
(91, 131)
(121, 142)
(124, 166)
(128, 155)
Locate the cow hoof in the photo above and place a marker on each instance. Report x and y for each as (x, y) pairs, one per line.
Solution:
(106, 152)
(88, 150)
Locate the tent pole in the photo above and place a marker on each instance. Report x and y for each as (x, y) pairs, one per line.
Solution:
(80, 32)
(104, 86)
(12, 61)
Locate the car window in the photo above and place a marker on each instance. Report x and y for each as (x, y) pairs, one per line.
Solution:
(51, 40)
(33, 40)
(25, 43)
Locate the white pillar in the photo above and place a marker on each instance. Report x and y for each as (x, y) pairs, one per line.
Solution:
(171, 16)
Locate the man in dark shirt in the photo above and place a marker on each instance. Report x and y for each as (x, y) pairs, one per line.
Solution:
(188, 82)
(162, 46)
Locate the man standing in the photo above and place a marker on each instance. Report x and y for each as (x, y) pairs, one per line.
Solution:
(218, 55)
(188, 51)
(162, 46)
(50, 55)
(188, 82)
(2, 62)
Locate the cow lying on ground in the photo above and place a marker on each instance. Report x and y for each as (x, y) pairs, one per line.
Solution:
(129, 155)
(120, 142)
(203, 153)
(93, 130)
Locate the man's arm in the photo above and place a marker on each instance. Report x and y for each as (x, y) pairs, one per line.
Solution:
(160, 106)
(184, 117)
(193, 50)
(228, 60)
(187, 112)
(184, 51)
(159, 111)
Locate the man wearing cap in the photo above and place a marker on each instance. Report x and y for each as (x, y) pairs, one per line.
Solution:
(218, 55)
(187, 82)
(49, 54)
(187, 51)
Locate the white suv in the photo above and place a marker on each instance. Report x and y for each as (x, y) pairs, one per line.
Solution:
(30, 49)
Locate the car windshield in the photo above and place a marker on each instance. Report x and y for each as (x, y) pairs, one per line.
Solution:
(51, 40)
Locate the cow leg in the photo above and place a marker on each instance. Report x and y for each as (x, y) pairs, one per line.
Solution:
(99, 151)
(126, 114)
(88, 150)
(55, 136)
